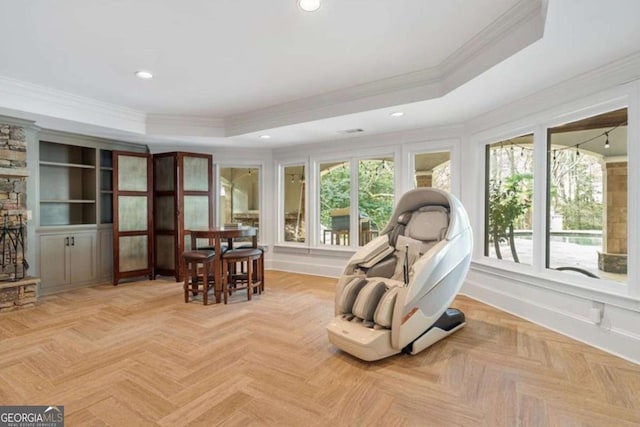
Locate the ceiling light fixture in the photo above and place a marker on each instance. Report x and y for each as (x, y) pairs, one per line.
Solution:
(144, 74)
(265, 136)
(397, 114)
(309, 5)
(606, 143)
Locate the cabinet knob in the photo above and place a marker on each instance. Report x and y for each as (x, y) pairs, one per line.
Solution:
(66, 241)
(73, 241)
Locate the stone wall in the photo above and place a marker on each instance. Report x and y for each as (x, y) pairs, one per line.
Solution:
(424, 180)
(616, 208)
(614, 257)
(13, 195)
(18, 295)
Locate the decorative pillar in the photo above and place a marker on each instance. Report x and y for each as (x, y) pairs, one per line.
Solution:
(614, 257)
(17, 290)
(424, 179)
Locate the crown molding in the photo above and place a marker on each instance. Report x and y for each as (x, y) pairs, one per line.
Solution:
(177, 125)
(24, 96)
(512, 31)
(71, 138)
(24, 123)
(374, 141)
(516, 29)
(612, 74)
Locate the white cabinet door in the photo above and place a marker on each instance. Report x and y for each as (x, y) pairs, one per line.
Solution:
(83, 263)
(106, 255)
(68, 260)
(54, 260)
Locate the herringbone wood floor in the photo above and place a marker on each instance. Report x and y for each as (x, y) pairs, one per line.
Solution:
(138, 355)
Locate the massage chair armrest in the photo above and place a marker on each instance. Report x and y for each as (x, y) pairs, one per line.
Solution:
(384, 268)
(371, 252)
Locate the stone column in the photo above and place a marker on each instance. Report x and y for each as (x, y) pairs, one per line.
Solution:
(614, 257)
(424, 179)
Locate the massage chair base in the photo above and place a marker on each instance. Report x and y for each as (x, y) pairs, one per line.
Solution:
(374, 344)
(356, 339)
(450, 321)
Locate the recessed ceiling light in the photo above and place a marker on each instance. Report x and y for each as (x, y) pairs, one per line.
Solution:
(397, 114)
(144, 75)
(265, 136)
(309, 5)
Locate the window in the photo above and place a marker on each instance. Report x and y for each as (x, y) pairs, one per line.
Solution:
(432, 170)
(240, 196)
(335, 199)
(587, 196)
(294, 203)
(375, 196)
(508, 200)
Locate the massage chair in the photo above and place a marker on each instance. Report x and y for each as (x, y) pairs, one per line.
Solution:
(394, 294)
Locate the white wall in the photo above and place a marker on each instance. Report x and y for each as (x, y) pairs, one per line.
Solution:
(557, 300)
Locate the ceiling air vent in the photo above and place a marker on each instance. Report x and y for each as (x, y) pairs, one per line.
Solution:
(350, 131)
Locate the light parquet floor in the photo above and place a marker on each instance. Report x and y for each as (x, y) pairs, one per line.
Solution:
(137, 355)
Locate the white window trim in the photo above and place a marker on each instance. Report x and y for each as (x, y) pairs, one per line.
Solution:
(261, 188)
(281, 180)
(352, 159)
(451, 145)
(625, 96)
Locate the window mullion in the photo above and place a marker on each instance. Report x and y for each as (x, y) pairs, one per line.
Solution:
(354, 214)
(540, 202)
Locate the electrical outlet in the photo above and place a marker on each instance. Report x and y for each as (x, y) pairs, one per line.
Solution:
(595, 315)
(29, 215)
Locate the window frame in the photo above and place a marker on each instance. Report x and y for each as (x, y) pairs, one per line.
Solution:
(353, 160)
(261, 186)
(280, 167)
(451, 145)
(535, 220)
(600, 289)
(569, 117)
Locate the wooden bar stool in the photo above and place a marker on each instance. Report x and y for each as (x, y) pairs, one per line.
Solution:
(246, 277)
(194, 281)
(258, 264)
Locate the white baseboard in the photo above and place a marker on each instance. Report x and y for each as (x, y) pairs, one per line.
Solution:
(304, 268)
(614, 335)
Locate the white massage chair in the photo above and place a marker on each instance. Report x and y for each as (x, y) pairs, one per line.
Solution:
(395, 292)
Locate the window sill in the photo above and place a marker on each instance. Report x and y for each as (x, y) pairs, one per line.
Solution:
(334, 251)
(600, 290)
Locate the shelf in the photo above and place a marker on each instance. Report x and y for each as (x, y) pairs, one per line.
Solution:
(106, 191)
(105, 168)
(67, 165)
(68, 201)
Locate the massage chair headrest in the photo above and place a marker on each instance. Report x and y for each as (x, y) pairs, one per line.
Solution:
(398, 229)
(404, 218)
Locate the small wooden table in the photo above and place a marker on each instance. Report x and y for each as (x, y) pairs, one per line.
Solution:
(217, 234)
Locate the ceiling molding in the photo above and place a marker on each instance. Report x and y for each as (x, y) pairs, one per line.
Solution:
(367, 142)
(616, 73)
(520, 26)
(70, 138)
(516, 29)
(6, 120)
(177, 125)
(24, 96)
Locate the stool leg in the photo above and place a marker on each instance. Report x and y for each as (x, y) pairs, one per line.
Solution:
(194, 278)
(185, 287)
(261, 261)
(225, 280)
(249, 278)
(205, 282)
